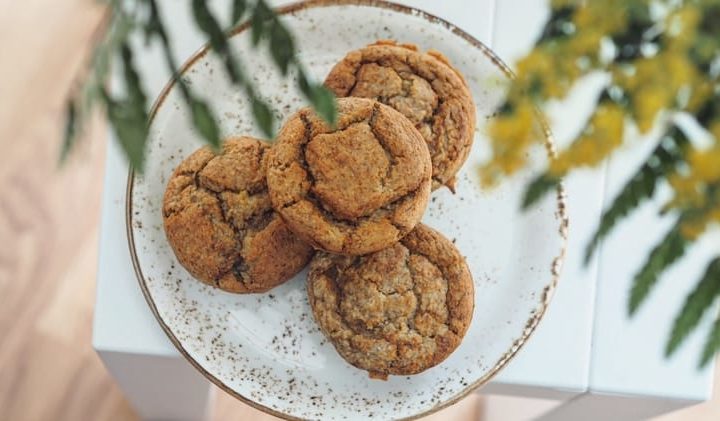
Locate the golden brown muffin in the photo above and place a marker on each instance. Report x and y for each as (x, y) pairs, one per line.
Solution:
(398, 311)
(424, 87)
(220, 224)
(353, 189)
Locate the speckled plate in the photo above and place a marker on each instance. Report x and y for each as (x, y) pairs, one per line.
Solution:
(265, 349)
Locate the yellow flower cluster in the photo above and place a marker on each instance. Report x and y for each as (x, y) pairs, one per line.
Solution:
(549, 71)
(653, 84)
(688, 193)
(692, 227)
(699, 189)
(681, 28)
(706, 164)
(666, 79)
(511, 135)
(603, 134)
(681, 36)
(605, 16)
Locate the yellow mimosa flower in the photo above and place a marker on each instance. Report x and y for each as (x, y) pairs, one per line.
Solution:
(706, 164)
(686, 190)
(510, 135)
(647, 103)
(607, 16)
(715, 214)
(701, 90)
(586, 42)
(681, 27)
(604, 134)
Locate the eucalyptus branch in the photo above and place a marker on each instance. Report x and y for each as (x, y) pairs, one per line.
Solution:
(128, 111)
(218, 41)
(85, 95)
(128, 114)
(282, 49)
(202, 116)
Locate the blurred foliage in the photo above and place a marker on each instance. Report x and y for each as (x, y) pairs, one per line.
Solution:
(662, 58)
(127, 110)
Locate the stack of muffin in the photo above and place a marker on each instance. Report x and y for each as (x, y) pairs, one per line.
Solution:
(391, 294)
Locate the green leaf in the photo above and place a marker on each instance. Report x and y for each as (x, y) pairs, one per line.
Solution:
(281, 46)
(321, 98)
(696, 304)
(133, 85)
(82, 102)
(262, 16)
(70, 133)
(129, 115)
(671, 248)
(538, 188)
(641, 186)
(201, 114)
(210, 26)
(130, 128)
(263, 116)
(712, 345)
(238, 10)
(118, 33)
(258, 27)
(204, 121)
(158, 29)
(153, 27)
(304, 84)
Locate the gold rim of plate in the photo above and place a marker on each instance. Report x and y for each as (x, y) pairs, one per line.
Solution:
(561, 212)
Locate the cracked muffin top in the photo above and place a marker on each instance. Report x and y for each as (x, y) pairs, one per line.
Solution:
(355, 188)
(398, 311)
(424, 87)
(221, 225)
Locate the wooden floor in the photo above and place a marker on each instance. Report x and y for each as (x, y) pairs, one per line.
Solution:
(48, 234)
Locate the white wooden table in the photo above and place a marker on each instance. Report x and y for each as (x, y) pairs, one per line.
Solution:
(585, 353)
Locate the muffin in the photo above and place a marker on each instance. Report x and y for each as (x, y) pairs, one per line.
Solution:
(398, 311)
(425, 88)
(355, 188)
(221, 225)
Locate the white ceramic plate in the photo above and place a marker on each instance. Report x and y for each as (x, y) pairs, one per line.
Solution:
(266, 349)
